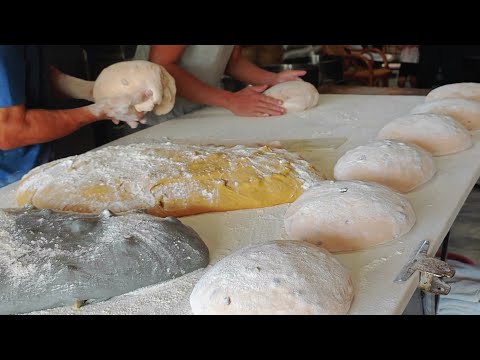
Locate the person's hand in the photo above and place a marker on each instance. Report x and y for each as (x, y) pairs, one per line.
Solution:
(122, 108)
(288, 75)
(251, 102)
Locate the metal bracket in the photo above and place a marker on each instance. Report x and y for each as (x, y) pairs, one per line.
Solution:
(431, 271)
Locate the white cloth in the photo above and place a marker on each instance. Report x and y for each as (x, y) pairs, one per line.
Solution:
(372, 55)
(464, 296)
(376, 57)
(206, 62)
(410, 55)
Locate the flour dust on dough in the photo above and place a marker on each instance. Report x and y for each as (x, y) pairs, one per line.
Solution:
(129, 77)
(275, 278)
(168, 179)
(400, 166)
(465, 111)
(297, 95)
(349, 215)
(466, 90)
(438, 134)
(50, 259)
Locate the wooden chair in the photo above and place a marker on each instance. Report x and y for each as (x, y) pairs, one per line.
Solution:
(358, 65)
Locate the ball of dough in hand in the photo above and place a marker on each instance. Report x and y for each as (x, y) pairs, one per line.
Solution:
(129, 77)
(438, 134)
(349, 215)
(275, 278)
(395, 164)
(297, 95)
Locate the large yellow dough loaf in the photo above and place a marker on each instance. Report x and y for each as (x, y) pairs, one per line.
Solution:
(168, 179)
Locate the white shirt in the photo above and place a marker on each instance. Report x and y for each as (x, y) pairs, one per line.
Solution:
(410, 55)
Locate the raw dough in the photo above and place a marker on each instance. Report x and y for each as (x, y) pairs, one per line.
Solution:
(395, 164)
(458, 90)
(50, 259)
(296, 95)
(465, 111)
(128, 77)
(349, 215)
(168, 179)
(275, 278)
(438, 134)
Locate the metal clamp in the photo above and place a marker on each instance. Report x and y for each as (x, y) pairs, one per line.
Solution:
(431, 271)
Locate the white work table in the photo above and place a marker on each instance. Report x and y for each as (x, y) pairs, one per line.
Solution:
(356, 119)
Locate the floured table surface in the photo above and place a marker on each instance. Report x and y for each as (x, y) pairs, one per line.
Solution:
(339, 123)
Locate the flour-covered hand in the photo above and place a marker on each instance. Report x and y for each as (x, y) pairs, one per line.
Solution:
(122, 108)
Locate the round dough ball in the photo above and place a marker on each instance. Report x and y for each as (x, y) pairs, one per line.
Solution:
(395, 164)
(296, 95)
(459, 90)
(465, 111)
(128, 77)
(438, 134)
(275, 278)
(349, 215)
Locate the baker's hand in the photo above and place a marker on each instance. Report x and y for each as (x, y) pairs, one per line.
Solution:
(288, 75)
(251, 102)
(122, 108)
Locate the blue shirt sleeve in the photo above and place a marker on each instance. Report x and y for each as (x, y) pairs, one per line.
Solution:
(12, 76)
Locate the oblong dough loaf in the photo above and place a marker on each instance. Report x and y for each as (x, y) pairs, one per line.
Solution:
(128, 77)
(296, 95)
(168, 179)
(395, 164)
(438, 134)
(349, 215)
(465, 111)
(466, 90)
(275, 278)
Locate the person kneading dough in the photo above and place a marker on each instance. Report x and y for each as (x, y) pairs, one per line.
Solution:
(198, 72)
(30, 108)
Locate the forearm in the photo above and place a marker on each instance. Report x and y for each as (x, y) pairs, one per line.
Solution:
(243, 70)
(190, 88)
(20, 127)
(70, 86)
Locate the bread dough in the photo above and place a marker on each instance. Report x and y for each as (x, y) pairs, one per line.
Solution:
(50, 259)
(438, 134)
(128, 77)
(168, 179)
(400, 166)
(459, 90)
(465, 111)
(296, 95)
(275, 278)
(349, 215)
